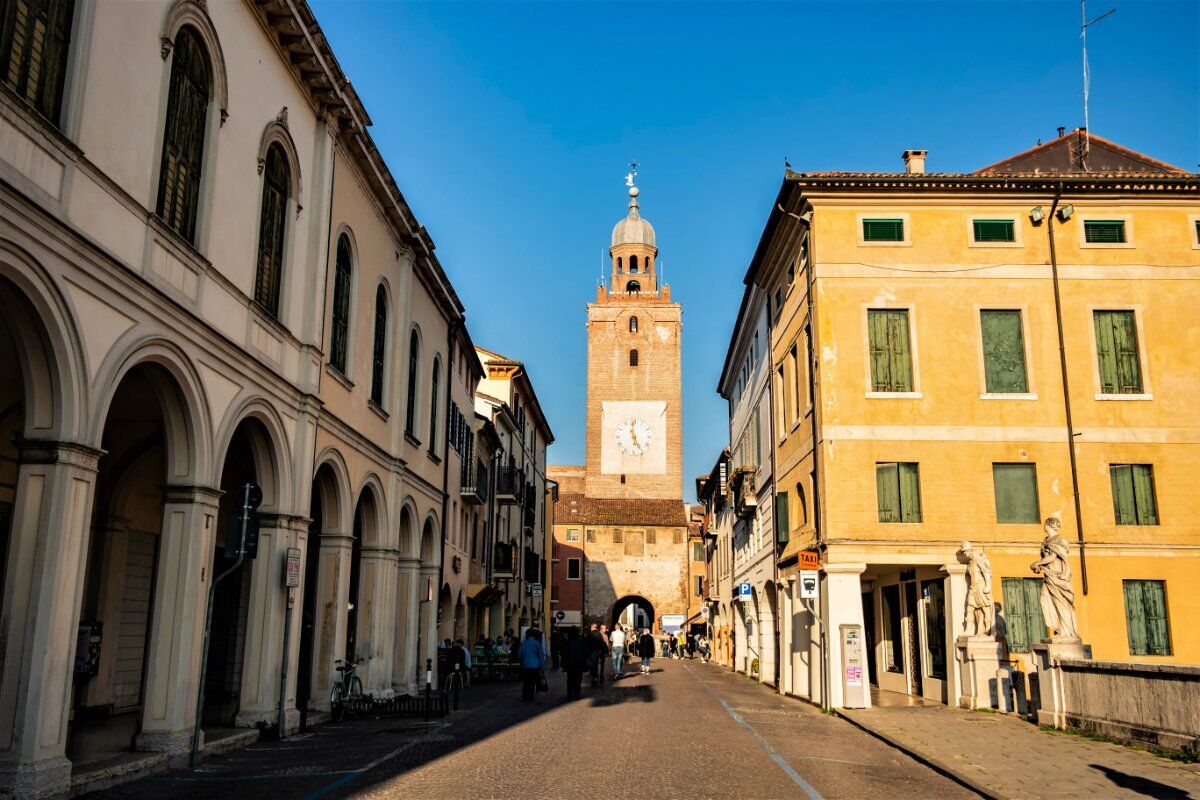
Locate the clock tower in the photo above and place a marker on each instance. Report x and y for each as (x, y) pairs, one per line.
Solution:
(634, 415)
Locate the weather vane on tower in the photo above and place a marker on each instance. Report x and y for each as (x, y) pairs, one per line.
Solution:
(632, 176)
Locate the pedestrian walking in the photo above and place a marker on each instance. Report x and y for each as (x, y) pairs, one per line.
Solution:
(533, 661)
(702, 645)
(597, 650)
(666, 647)
(680, 644)
(617, 645)
(645, 650)
(574, 662)
(556, 644)
(607, 650)
(691, 647)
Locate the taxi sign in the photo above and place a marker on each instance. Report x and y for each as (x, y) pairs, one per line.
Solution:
(808, 560)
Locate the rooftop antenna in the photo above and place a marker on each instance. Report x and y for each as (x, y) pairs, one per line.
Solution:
(1085, 23)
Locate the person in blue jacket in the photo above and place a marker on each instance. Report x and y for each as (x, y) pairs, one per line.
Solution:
(533, 661)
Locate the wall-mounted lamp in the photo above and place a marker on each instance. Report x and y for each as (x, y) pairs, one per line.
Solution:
(1065, 212)
(1036, 215)
(807, 216)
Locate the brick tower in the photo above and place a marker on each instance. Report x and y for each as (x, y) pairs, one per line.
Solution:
(634, 415)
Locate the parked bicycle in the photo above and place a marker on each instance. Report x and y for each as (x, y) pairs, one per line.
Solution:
(347, 687)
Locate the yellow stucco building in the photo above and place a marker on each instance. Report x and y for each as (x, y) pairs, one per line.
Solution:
(957, 332)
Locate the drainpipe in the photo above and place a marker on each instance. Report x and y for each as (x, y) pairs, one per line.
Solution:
(1062, 362)
(450, 331)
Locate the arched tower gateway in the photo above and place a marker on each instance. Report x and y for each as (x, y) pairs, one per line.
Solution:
(634, 418)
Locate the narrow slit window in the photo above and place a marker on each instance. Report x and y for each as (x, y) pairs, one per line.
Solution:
(272, 222)
(633, 358)
(633, 324)
(339, 335)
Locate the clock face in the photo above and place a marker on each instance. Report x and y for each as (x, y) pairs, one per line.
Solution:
(633, 437)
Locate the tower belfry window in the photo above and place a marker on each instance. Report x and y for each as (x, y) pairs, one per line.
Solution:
(633, 325)
(633, 286)
(618, 265)
(633, 267)
(633, 358)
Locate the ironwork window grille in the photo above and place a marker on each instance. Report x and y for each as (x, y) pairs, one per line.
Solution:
(35, 39)
(271, 225)
(378, 352)
(339, 337)
(183, 139)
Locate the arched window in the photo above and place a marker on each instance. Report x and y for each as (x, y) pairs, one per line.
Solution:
(649, 265)
(183, 137)
(414, 358)
(433, 406)
(618, 265)
(633, 265)
(271, 224)
(633, 358)
(379, 351)
(802, 505)
(633, 325)
(339, 335)
(633, 286)
(35, 37)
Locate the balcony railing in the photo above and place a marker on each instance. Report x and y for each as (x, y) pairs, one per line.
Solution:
(510, 484)
(475, 482)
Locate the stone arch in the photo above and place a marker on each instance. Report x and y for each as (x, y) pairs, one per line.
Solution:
(180, 394)
(269, 446)
(49, 351)
(429, 552)
(374, 522)
(277, 132)
(194, 14)
(408, 528)
(619, 606)
(331, 481)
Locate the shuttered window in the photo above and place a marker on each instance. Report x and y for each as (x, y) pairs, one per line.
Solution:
(1146, 618)
(339, 334)
(1133, 494)
(271, 224)
(1022, 613)
(1104, 231)
(379, 350)
(697, 551)
(651, 537)
(1016, 493)
(1117, 352)
(183, 137)
(414, 355)
(782, 524)
(891, 358)
(1003, 352)
(35, 38)
(1197, 231)
(994, 230)
(883, 230)
(618, 536)
(898, 491)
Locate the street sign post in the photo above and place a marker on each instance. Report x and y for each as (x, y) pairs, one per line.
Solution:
(743, 592)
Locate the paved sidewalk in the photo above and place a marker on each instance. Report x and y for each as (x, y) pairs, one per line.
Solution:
(1009, 759)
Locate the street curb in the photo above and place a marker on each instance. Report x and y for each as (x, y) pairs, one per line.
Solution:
(932, 763)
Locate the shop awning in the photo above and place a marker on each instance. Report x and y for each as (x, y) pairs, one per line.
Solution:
(484, 593)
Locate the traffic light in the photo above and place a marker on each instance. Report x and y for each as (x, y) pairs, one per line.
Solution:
(244, 520)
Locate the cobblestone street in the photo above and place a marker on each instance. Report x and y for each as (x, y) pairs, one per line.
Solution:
(688, 730)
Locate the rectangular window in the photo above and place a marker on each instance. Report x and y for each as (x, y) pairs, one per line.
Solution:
(1133, 494)
(994, 230)
(574, 568)
(572, 534)
(698, 585)
(794, 384)
(898, 492)
(782, 524)
(1022, 613)
(35, 37)
(1117, 352)
(1104, 231)
(697, 551)
(618, 536)
(635, 543)
(1003, 352)
(883, 230)
(591, 535)
(893, 635)
(651, 537)
(891, 357)
(678, 537)
(1197, 231)
(1015, 487)
(933, 593)
(1146, 618)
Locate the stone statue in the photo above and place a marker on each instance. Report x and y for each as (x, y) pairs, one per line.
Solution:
(981, 607)
(1058, 596)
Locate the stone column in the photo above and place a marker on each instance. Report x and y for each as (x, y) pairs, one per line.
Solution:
(843, 606)
(329, 623)
(176, 634)
(404, 671)
(428, 576)
(377, 593)
(766, 640)
(955, 588)
(42, 590)
(265, 622)
(786, 626)
(740, 661)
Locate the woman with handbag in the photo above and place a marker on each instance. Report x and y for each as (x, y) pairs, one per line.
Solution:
(533, 661)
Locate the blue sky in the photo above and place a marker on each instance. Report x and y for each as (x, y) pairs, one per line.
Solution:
(508, 127)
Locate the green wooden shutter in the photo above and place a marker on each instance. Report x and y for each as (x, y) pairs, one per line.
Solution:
(1015, 487)
(1154, 612)
(898, 347)
(1143, 494)
(782, 523)
(1124, 506)
(1003, 351)
(1117, 352)
(1014, 615)
(1035, 623)
(1106, 352)
(994, 230)
(877, 326)
(1135, 618)
(887, 487)
(1096, 231)
(910, 493)
(883, 230)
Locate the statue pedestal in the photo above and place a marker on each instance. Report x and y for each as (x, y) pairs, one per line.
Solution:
(979, 659)
(1046, 655)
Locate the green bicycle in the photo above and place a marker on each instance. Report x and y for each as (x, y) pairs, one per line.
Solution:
(346, 688)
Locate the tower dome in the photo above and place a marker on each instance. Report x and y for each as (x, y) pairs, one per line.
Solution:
(633, 229)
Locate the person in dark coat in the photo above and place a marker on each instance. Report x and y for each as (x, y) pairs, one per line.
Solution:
(597, 650)
(574, 662)
(645, 650)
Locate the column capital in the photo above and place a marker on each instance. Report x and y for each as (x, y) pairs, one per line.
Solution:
(286, 521)
(843, 569)
(51, 451)
(178, 493)
(409, 562)
(430, 569)
(954, 569)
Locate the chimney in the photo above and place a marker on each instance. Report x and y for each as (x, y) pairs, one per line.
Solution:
(914, 161)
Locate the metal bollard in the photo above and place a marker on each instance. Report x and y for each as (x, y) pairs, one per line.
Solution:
(428, 686)
(457, 679)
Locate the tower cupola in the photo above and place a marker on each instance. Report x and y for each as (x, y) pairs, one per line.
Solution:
(633, 250)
